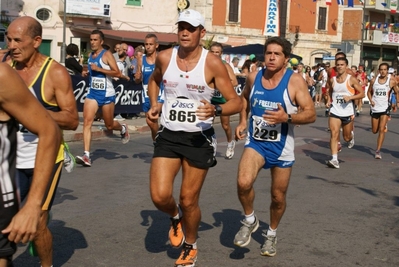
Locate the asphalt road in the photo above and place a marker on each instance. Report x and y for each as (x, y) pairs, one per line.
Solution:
(103, 215)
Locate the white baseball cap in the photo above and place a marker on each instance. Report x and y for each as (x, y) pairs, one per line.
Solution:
(192, 17)
(391, 70)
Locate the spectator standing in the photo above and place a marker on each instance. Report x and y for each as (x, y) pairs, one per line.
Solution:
(234, 65)
(362, 78)
(73, 62)
(318, 83)
(310, 82)
(245, 69)
(126, 61)
(254, 63)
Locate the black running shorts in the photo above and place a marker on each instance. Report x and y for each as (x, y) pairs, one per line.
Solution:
(7, 211)
(199, 148)
(344, 120)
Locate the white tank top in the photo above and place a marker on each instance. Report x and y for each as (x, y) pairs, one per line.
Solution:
(183, 92)
(381, 96)
(339, 107)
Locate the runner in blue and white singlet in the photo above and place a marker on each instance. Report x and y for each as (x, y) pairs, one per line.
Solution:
(101, 87)
(102, 68)
(147, 70)
(276, 140)
(271, 99)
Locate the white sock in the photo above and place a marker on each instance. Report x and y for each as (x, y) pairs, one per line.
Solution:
(250, 218)
(177, 216)
(123, 131)
(335, 157)
(87, 153)
(271, 232)
(194, 244)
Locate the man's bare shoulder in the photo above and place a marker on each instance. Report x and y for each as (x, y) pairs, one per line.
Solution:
(297, 78)
(59, 70)
(165, 55)
(214, 62)
(350, 71)
(251, 76)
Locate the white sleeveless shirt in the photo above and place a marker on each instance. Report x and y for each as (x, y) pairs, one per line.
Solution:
(339, 107)
(381, 96)
(183, 92)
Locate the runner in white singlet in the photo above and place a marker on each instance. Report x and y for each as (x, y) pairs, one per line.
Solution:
(186, 138)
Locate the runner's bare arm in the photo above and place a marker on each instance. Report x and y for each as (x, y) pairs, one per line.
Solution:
(241, 128)
(60, 81)
(370, 92)
(356, 85)
(21, 104)
(217, 76)
(109, 59)
(303, 100)
(232, 76)
(155, 80)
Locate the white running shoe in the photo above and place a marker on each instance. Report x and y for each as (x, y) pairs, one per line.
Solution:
(351, 143)
(230, 149)
(333, 163)
(119, 118)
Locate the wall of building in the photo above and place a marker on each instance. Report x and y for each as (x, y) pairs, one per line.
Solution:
(309, 42)
(253, 15)
(152, 16)
(352, 26)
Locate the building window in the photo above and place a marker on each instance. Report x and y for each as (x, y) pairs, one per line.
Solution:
(233, 10)
(322, 18)
(43, 14)
(133, 2)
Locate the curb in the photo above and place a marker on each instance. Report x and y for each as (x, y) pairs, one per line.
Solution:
(101, 132)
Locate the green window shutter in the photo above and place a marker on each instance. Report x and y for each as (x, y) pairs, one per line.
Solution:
(133, 2)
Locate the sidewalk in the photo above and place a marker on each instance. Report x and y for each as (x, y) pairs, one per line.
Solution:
(98, 130)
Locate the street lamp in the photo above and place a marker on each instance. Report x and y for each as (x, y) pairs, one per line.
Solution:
(63, 46)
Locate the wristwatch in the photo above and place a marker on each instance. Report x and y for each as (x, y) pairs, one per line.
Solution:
(289, 120)
(218, 110)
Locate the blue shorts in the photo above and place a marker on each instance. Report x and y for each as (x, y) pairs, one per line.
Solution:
(393, 99)
(147, 105)
(270, 159)
(100, 98)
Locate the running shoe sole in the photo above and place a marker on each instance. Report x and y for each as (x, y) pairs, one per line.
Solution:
(79, 160)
